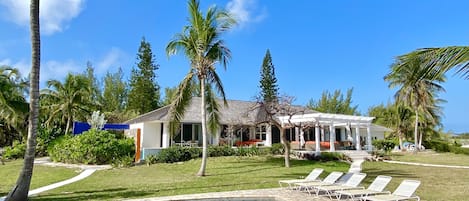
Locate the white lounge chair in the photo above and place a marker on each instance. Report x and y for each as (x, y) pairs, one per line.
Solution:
(329, 180)
(312, 176)
(405, 191)
(376, 187)
(351, 183)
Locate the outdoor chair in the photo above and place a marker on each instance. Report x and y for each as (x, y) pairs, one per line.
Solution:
(351, 183)
(405, 191)
(312, 176)
(376, 187)
(329, 180)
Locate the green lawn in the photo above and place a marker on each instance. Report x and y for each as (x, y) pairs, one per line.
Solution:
(437, 183)
(433, 158)
(224, 174)
(42, 175)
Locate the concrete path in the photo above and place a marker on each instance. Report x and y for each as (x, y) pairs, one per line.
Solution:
(427, 165)
(87, 171)
(79, 177)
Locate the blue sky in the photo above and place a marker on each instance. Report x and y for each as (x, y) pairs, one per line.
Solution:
(315, 45)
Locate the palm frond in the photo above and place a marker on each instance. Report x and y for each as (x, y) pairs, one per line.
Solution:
(212, 109)
(180, 102)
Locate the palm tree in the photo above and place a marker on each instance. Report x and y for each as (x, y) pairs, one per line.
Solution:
(13, 105)
(200, 41)
(442, 59)
(418, 87)
(68, 101)
(21, 189)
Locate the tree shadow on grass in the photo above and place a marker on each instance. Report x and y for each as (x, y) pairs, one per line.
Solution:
(103, 194)
(373, 172)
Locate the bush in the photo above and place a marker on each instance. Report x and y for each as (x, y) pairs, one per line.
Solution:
(328, 156)
(178, 154)
(386, 145)
(91, 147)
(215, 151)
(247, 151)
(277, 149)
(15, 151)
(45, 137)
(439, 146)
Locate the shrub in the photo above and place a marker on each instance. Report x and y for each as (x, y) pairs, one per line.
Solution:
(45, 137)
(151, 159)
(277, 149)
(247, 151)
(439, 146)
(386, 145)
(15, 151)
(328, 156)
(176, 154)
(124, 161)
(91, 147)
(215, 151)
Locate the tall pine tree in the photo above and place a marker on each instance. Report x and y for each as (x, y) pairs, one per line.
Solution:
(144, 94)
(268, 82)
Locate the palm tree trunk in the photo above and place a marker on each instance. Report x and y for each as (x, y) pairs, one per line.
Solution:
(21, 189)
(286, 147)
(399, 134)
(416, 133)
(67, 127)
(204, 129)
(420, 141)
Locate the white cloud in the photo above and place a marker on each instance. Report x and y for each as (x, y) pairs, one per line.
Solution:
(22, 65)
(54, 14)
(246, 11)
(57, 70)
(113, 58)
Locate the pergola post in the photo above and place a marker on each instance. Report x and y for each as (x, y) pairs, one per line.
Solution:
(358, 145)
(332, 137)
(317, 137)
(166, 136)
(368, 137)
(268, 135)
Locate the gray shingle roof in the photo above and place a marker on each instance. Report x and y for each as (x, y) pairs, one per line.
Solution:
(237, 112)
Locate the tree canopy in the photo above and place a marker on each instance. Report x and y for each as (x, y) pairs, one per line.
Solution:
(268, 82)
(144, 93)
(334, 103)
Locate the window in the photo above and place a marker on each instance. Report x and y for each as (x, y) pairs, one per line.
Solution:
(261, 132)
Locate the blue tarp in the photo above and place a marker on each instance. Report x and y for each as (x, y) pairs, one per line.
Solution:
(80, 127)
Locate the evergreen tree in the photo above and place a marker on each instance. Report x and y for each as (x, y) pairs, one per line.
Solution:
(115, 92)
(94, 85)
(334, 103)
(268, 82)
(144, 94)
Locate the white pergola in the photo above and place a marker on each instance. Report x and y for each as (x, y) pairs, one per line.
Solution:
(332, 120)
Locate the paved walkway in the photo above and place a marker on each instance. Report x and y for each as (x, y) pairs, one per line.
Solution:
(87, 170)
(427, 165)
(271, 194)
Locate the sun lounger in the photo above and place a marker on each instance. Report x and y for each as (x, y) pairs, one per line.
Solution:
(351, 183)
(376, 187)
(312, 176)
(405, 191)
(329, 180)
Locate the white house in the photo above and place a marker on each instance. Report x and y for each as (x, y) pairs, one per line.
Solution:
(243, 123)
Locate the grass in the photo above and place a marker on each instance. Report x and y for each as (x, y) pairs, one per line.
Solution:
(433, 158)
(437, 183)
(42, 175)
(224, 174)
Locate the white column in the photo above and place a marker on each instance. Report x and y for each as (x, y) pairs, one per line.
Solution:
(368, 137)
(268, 135)
(297, 134)
(216, 137)
(332, 137)
(357, 135)
(323, 135)
(166, 135)
(302, 137)
(318, 139)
